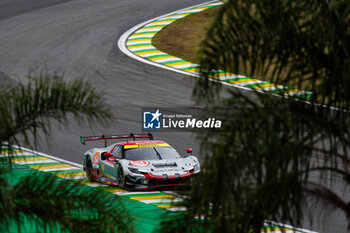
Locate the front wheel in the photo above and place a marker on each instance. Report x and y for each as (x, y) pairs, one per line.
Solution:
(121, 177)
(88, 169)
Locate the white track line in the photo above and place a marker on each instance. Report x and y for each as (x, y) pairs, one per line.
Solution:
(177, 209)
(96, 185)
(36, 161)
(134, 193)
(58, 169)
(49, 156)
(291, 227)
(74, 177)
(162, 200)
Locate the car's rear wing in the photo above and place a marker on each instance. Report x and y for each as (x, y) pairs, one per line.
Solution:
(84, 139)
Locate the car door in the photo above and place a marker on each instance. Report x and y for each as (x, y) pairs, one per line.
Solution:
(109, 165)
(118, 154)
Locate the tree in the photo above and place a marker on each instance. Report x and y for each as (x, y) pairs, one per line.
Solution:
(300, 44)
(258, 166)
(50, 202)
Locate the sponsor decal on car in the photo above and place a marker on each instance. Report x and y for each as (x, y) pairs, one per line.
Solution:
(96, 158)
(145, 145)
(139, 163)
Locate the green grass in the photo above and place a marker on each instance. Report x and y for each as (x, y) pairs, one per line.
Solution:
(183, 37)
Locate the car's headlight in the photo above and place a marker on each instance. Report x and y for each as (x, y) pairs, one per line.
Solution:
(196, 167)
(137, 171)
(134, 170)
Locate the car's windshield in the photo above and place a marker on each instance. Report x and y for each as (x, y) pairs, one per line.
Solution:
(151, 153)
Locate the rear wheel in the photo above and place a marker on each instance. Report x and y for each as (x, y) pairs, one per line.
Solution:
(121, 177)
(88, 169)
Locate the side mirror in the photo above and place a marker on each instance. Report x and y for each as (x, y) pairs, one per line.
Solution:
(189, 150)
(108, 154)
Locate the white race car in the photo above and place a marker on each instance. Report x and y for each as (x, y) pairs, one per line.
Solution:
(138, 164)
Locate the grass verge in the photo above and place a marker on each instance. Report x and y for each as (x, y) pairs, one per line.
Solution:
(183, 37)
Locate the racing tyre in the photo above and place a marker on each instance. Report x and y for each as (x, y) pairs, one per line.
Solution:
(88, 169)
(121, 177)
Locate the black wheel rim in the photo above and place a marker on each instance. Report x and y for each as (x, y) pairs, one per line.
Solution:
(88, 169)
(120, 176)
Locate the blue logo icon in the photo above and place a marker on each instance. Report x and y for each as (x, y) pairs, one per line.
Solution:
(151, 120)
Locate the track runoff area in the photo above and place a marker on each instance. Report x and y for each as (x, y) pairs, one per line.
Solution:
(149, 207)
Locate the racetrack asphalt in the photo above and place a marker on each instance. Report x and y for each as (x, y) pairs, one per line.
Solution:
(79, 37)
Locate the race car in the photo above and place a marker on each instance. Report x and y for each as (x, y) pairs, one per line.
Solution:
(138, 162)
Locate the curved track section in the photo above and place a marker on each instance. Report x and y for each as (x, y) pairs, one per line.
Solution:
(137, 43)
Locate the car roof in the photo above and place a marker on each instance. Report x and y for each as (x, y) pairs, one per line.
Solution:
(141, 142)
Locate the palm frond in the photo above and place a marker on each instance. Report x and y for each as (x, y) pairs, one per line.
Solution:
(299, 44)
(327, 197)
(53, 203)
(27, 108)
